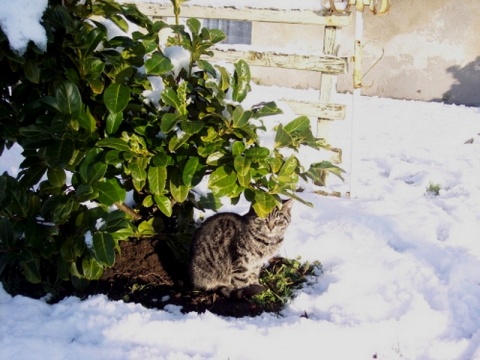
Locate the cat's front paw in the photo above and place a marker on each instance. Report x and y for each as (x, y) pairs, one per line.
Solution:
(247, 292)
(254, 289)
(225, 291)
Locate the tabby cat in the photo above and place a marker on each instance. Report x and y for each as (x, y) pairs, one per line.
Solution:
(228, 250)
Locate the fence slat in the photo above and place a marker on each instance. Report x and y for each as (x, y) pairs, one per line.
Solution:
(309, 17)
(324, 64)
(316, 109)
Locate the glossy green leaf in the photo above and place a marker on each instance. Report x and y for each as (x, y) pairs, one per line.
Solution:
(96, 85)
(145, 228)
(224, 82)
(148, 201)
(300, 124)
(169, 121)
(104, 248)
(30, 268)
(263, 203)
(191, 127)
(158, 64)
(242, 77)
(93, 68)
(120, 22)
(213, 158)
(242, 167)
(222, 181)
(92, 39)
(73, 270)
(59, 153)
(57, 177)
(211, 135)
(138, 168)
(114, 143)
(257, 154)
(96, 172)
(87, 121)
(89, 158)
(240, 117)
(110, 191)
(86, 192)
(266, 109)
(112, 157)
(16, 202)
(3, 190)
(217, 35)
(238, 147)
(164, 204)
(170, 97)
(288, 181)
(317, 171)
(178, 189)
(64, 210)
(7, 236)
(189, 170)
(68, 98)
(113, 122)
(91, 269)
(31, 69)
(114, 220)
(275, 165)
(205, 65)
(177, 141)
(194, 25)
(116, 97)
(50, 103)
(161, 159)
(157, 178)
(123, 234)
(289, 166)
(282, 138)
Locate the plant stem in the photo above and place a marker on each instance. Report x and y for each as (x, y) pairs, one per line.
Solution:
(128, 210)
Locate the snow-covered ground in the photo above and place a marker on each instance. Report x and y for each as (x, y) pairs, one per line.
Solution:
(401, 279)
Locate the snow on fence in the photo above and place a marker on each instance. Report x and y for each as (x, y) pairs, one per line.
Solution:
(329, 64)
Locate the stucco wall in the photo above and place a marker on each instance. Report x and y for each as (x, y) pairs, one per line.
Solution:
(432, 51)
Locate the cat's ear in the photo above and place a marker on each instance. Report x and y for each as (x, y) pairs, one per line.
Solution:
(287, 205)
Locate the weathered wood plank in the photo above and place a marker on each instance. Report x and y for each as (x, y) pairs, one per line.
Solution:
(327, 82)
(250, 14)
(324, 64)
(316, 109)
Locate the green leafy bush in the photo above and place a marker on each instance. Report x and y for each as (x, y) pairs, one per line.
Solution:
(93, 135)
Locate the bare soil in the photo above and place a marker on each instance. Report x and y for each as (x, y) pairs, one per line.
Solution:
(147, 272)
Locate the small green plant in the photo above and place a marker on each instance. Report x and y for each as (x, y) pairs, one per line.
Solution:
(433, 189)
(281, 278)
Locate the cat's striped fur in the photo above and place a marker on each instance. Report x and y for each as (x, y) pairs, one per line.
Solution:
(228, 250)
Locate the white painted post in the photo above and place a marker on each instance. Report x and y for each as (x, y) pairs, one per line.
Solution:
(357, 88)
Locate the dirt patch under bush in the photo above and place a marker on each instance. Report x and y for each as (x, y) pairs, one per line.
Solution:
(146, 272)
